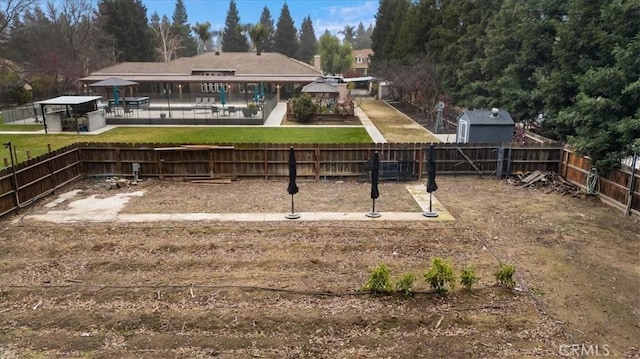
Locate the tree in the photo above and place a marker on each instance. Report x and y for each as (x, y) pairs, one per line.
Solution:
(335, 58)
(181, 28)
(11, 10)
(362, 39)
(388, 22)
(167, 42)
(233, 38)
(285, 39)
(257, 33)
(267, 23)
(349, 34)
(203, 31)
(308, 43)
(126, 22)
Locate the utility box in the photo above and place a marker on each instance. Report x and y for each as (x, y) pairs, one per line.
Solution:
(485, 126)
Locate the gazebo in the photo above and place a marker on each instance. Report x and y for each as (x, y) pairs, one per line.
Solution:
(115, 84)
(321, 90)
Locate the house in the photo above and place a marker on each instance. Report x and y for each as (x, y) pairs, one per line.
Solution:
(361, 61)
(495, 126)
(204, 75)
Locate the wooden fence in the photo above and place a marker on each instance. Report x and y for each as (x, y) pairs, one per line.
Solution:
(43, 175)
(619, 188)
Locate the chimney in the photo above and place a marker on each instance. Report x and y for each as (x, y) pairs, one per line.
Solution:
(316, 63)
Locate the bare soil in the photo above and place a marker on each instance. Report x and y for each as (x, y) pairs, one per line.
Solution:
(394, 125)
(289, 289)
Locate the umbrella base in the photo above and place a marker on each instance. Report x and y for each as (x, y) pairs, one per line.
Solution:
(373, 214)
(430, 214)
(292, 216)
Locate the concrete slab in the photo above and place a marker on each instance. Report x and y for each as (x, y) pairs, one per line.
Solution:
(93, 209)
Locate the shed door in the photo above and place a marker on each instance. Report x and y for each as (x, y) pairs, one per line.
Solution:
(463, 131)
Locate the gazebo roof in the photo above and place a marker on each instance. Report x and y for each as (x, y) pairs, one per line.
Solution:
(113, 81)
(319, 86)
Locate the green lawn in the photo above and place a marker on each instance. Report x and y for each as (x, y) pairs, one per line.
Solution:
(19, 127)
(37, 144)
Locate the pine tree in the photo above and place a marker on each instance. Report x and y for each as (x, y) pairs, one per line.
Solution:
(285, 39)
(267, 23)
(126, 21)
(388, 23)
(362, 39)
(233, 38)
(181, 27)
(308, 43)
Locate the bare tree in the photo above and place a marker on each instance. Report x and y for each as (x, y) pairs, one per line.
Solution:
(11, 10)
(167, 43)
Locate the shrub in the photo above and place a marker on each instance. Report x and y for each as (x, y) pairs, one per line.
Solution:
(504, 275)
(379, 280)
(468, 277)
(405, 284)
(440, 274)
(304, 108)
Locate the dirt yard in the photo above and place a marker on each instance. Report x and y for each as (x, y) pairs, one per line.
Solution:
(289, 289)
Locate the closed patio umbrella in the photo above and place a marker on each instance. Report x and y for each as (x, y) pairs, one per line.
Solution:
(293, 188)
(431, 179)
(116, 95)
(261, 90)
(255, 93)
(375, 174)
(223, 96)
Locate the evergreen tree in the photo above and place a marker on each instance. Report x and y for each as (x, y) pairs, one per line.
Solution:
(285, 39)
(388, 23)
(181, 27)
(233, 38)
(362, 39)
(126, 21)
(308, 43)
(267, 23)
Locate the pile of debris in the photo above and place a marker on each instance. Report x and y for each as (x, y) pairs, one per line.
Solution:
(550, 181)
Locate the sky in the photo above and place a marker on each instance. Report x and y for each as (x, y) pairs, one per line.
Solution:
(325, 14)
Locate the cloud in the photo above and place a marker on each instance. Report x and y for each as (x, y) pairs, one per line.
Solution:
(339, 16)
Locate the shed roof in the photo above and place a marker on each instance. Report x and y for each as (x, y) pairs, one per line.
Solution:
(69, 100)
(484, 117)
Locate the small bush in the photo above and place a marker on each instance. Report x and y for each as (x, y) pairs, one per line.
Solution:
(379, 280)
(304, 108)
(504, 275)
(405, 284)
(468, 277)
(440, 275)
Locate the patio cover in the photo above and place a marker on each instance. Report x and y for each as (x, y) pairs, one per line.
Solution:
(65, 101)
(113, 81)
(319, 86)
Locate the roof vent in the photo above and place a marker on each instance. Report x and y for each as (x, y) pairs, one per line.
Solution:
(495, 111)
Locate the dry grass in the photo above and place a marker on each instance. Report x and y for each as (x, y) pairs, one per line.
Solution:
(395, 126)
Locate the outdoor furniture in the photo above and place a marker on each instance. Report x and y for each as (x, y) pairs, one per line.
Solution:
(128, 111)
(231, 110)
(246, 112)
(215, 110)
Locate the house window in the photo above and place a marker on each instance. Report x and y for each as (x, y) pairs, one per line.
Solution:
(210, 87)
(359, 60)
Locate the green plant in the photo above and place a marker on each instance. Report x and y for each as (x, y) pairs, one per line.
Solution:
(440, 275)
(504, 275)
(405, 284)
(20, 95)
(379, 280)
(304, 108)
(468, 277)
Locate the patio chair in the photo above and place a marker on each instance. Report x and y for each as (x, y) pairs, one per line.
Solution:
(198, 103)
(215, 110)
(231, 110)
(128, 111)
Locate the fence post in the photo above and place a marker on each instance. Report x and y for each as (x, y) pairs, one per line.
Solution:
(500, 163)
(49, 147)
(28, 155)
(6, 162)
(632, 183)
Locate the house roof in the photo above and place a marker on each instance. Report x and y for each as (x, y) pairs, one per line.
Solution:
(484, 117)
(245, 66)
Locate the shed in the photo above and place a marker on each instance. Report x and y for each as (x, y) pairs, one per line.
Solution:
(487, 126)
